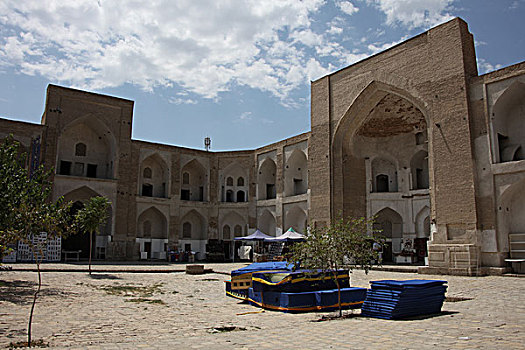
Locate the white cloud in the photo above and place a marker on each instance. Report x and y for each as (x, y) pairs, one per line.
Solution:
(415, 13)
(163, 43)
(182, 101)
(246, 116)
(486, 67)
(347, 7)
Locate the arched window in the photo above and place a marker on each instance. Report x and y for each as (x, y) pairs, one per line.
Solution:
(240, 181)
(186, 178)
(186, 230)
(147, 173)
(382, 183)
(226, 234)
(240, 196)
(80, 149)
(237, 231)
(229, 196)
(146, 229)
(229, 181)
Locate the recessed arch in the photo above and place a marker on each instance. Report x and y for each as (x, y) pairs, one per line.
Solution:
(296, 174)
(90, 136)
(295, 218)
(154, 221)
(197, 223)
(384, 175)
(233, 219)
(511, 221)
(423, 223)
(419, 170)
(266, 180)
(379, 117)
(232, 178)
(197, 187)
(155, 175)
(266, 223)
(507, 123)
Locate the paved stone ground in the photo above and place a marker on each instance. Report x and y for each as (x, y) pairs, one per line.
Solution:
(175, 310)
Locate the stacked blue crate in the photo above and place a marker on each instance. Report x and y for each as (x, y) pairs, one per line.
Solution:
(391, 299)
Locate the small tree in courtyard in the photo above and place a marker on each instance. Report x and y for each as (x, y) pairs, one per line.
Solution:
(345, 244)
(91, 217)
(26, 209)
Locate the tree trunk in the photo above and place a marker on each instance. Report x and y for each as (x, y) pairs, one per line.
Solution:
(338, 293)
(34, 302)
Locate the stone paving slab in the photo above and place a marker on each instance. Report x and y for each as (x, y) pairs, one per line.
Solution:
(191, 311)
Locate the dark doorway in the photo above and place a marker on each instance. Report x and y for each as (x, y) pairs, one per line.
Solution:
(91, 170)
(65, 167)
(147, 249)
(270, 191)
(240, 196)
(382, 183)
(147, 190)
(78, 241)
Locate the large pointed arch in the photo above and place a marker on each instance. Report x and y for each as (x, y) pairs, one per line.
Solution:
(349, 186)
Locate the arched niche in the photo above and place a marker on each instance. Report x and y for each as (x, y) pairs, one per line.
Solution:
(197, 224)
(154, 177)
(266, 180)
(295, 218)
(152, 224)
(381, 120)
(226, 233)
(196, 186)
(511, 220)
(419, 170)
(391, 225)
(233, 220)
(87, 148)
(296, 174)
(508, 125)
(266, 223)
(423, 223)
(233, 179)
(384, 175)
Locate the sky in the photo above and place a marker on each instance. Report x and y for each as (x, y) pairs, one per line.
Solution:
(238, 71)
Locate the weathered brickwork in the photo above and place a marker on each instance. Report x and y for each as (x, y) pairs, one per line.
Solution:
(412, 136)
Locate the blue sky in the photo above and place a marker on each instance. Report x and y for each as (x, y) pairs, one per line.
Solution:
(237, 71)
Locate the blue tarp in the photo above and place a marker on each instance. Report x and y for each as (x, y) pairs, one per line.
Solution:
(391, 299)
(298, 281)
(263, 266)
(324, 300)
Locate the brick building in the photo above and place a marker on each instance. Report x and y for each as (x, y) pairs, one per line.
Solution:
(412, 135)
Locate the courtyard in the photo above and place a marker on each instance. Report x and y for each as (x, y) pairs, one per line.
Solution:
(119, 307)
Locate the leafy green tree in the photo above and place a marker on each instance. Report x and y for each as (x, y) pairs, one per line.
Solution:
(91, 217)
(26, 208)
(341, 245)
